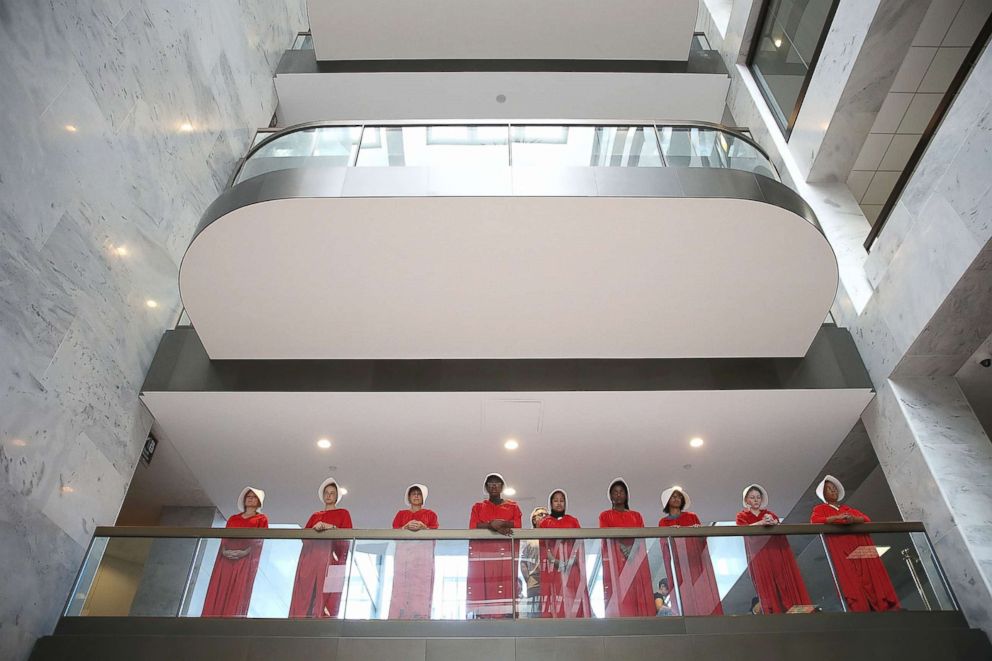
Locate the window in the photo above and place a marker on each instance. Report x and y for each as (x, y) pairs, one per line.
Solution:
(788, 40)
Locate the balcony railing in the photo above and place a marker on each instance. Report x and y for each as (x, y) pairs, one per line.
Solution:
(533, 144)
(459, 574)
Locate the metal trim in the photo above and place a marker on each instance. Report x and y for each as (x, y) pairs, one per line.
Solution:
(356, 534)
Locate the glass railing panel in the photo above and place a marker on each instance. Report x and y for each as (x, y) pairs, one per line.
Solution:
(887, 571)
(408, 580)
(324, 146)
(434, 146)
(133, 576)
(585, 146)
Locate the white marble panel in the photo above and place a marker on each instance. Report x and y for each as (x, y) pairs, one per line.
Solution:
(890, 114)
(897, 155)
(858, 181)
(914, 68)
(872, 151)
(942, 70)
(937, 21)
(919, 113)
(967, 23)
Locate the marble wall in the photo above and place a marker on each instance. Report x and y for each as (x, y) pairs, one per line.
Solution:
(918, 307)
(122, 121)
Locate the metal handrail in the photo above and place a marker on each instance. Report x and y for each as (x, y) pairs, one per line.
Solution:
(735, 131)
(453, 534)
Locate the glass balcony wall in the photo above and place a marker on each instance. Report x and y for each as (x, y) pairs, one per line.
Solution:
(461, 575)
(481, 146)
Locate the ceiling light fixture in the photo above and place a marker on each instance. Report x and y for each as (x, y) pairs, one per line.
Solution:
(70, 128)
(67, 489)
(344, 492)
(324, 443)
(186, 127)
(511, 444)
(121, 251)
(778, 43)
(510, 491)
(18, 442)
(151, 303)
(696, 442)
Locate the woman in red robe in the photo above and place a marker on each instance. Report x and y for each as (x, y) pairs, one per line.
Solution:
(626, 573)
(693, 570)
(863, 581)
(491, 575)
(770, 561)
(563, 565)
(321, 569)
(234, 571)
(413, 562)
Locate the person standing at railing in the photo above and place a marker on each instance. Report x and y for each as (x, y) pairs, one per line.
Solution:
(233, 576)
(770, 561)
(563, 565)
(864, 582)
(530, 567)
(491, 575)
(626, 573)
(693, 569)
(321, 569)
(413, 563)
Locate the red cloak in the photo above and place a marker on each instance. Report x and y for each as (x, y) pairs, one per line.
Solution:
(563, 573)
(320, 571)
(864, 582)
(491, 575)
(626, 573)
(231, 581)
(413, 570)
(773, 568)
(698, 592)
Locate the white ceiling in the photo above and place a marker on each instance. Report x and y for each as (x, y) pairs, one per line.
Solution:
(509, 29)
(510, 277)
(310, 97)
(382, 442)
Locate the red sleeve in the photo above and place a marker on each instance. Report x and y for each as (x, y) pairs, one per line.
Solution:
(312, 521)
(576, 521)
(397, 523)
(860, 513)
(517, 517)
(818, 515)
(602, 522)
(693, 519)
(432, 521)
(230, 521)
(742, 518)
(773, 515)
(473, 519)
(638, 520)
(263, 521)
(346, 520)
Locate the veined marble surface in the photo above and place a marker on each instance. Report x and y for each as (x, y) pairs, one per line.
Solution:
(122, 120)
(925, 309)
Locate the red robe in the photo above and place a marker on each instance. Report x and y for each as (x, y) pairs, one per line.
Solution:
(232, 580)
(626, 573)
(863, 581)
(773, 568)
(698, 592)
(413, 570)
(320, 571)
(491, 575)
(563, 573)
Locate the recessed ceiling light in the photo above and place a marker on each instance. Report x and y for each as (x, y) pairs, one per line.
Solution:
(151, 303)
(67, 489)
(778, 43)
(344, 492)
(18, 442)
(185, 127)
(120, 250)
(511, 444)
(70, 128)
(696, 442)
(324, 443)
(510, 491)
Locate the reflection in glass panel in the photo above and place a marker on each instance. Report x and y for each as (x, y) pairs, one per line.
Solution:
(433, 146)
(584, 146)
(326, 146)
(784, 50)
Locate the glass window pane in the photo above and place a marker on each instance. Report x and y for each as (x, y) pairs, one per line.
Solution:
(581, 146)
(784, 50)
(434, 146)
(326, 146)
